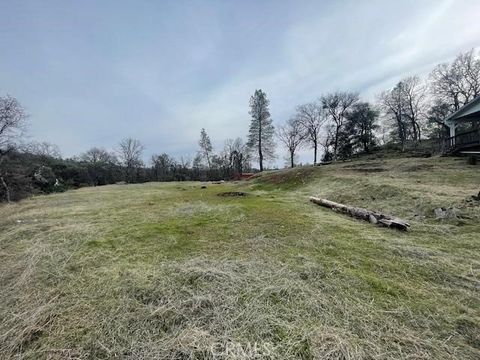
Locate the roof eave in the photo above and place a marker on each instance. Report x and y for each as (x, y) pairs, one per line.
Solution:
(463, 109)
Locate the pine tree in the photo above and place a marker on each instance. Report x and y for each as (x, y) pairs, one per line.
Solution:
(205, 146)
(260, 138)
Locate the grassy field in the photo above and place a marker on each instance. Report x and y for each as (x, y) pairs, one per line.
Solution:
(174, 271)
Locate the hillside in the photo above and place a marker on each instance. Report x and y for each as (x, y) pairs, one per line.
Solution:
(174, 271)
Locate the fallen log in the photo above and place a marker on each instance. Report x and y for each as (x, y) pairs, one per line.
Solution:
(364, 214)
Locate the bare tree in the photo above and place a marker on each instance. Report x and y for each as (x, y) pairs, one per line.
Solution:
(436, 115)
(336, 106)
(405, 104)
(162, 165)
(12, 121)
(236, 151)
(43, 149)
(292, 136)
(183, 165)
(12, 125)
(130, 154)
(311, 118)
(326, 141)
(102, 166)
(414, 94)
(98, 155)
(457, 83)
(391, 103)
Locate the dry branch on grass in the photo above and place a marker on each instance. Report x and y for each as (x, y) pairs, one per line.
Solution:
(364, 214)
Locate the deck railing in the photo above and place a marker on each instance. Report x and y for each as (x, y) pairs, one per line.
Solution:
(465, 139)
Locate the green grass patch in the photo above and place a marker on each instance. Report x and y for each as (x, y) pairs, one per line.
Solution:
(172, 271)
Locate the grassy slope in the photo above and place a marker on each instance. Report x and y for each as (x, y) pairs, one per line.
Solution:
(172, 270)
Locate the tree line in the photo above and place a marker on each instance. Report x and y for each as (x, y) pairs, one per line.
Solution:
(341, 124)
(38, 168)
(335, 126)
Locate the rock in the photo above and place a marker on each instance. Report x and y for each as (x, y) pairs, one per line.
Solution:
(232, 193)
(446, 213)
(476, 197)
(440, 213)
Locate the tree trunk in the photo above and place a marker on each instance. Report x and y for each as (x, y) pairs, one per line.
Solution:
(364, 214)
(402, 134)
(7, 190)
(315, 148)
(292, 155)
(414, 126)
(260, 154)
(335, 145)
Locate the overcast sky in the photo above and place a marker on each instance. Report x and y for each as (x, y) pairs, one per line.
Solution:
(92, 72)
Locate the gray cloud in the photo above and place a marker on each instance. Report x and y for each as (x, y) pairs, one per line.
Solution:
(91, 73)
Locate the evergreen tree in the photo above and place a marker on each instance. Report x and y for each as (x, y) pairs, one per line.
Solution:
(358, 132)
(205, 146)
(260, 137)
(362, 124)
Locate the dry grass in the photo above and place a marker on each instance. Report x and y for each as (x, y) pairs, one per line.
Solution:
(173, 271)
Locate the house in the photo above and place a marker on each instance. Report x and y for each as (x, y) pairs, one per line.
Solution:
(464, 127)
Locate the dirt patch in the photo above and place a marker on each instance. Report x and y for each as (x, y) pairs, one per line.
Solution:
(366, 167)
(418, 167)
(369, 169)
(232, 193)
(357, 165)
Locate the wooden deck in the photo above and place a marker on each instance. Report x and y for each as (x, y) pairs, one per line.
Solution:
(464, 142)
